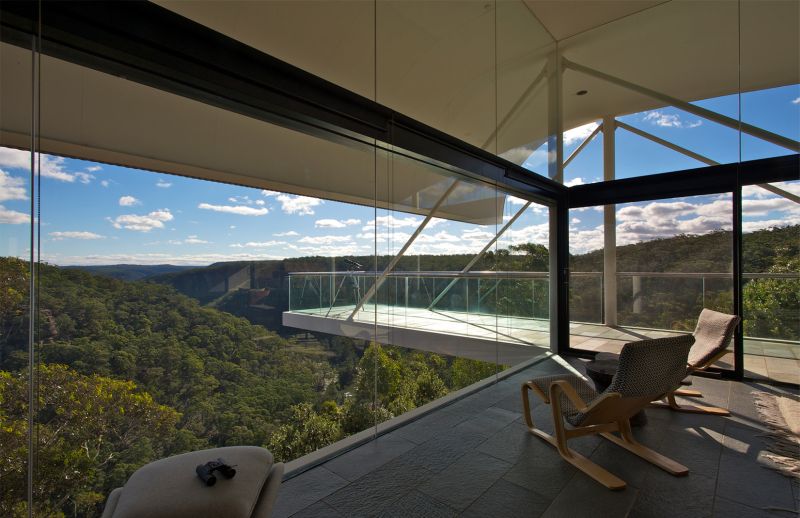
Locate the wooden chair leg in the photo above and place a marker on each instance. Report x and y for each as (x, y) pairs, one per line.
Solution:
(688, 393)
(559, 442)
(627, 441)
(689, 409)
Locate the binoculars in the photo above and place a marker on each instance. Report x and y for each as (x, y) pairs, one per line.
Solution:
(206, 471)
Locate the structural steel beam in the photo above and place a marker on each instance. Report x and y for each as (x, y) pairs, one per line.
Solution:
(774, 138)
(477, 257)
(382, 277)
(585, 143)
(771, 188)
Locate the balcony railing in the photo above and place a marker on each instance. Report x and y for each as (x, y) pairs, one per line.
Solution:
(658, 300)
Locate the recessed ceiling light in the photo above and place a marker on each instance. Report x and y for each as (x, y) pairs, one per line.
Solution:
(582, 92)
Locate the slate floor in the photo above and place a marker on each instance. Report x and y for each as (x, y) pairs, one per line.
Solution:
(475, 458)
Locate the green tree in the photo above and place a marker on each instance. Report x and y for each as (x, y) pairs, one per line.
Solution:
(92, 433)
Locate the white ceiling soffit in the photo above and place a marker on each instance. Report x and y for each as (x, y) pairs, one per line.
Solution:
(95, 116)
(468, 71)
(565, 18)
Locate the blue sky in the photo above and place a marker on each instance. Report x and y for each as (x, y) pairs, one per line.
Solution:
(102, 214)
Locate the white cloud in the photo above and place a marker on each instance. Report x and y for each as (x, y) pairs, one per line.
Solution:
(391, 221)
(579, 134)
(260, 202)
(325, 240)
(265, 192)
(575, 221)
(300, 205)
(58, 236)
(193, 259)
(796, 101)
(667, 120)
(51, 166)
(257, 244)
(194, 240)
(104, 183)
(163, 184)
(336, 223)
(574, 181)
(12, 187)
(144, 222)
(289, 233)
(235, 209)
(129, 201)
(93, 168)
(513, 200)
(13, 217)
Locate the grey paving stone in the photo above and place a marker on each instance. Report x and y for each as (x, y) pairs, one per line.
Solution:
(664, 495)
(509, 443)
(463, 482)
(441, 451)
(745, 479)
(695, 448)
(489, 422)
(507, 500)
(541, 469)
(317, 510)
(431, 425)
(376, 491)
(583, 496)
(360, 461)
(622, 463)
(418, 505)
(724, 508)
(305, 489)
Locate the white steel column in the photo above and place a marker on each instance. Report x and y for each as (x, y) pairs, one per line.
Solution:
(609, 228)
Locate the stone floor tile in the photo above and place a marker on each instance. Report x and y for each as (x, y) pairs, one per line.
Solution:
(664, 495)
(305, 489)
(376, 491)
(507, 500)
(360, 461)
(430, 425)
(583, 496)
(318, 510)
(416, 504)
(441, 451)
(463, 482)
(724, 508)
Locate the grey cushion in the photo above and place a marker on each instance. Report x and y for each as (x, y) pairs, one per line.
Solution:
(712, 335)
(584, 390)
(170, 488)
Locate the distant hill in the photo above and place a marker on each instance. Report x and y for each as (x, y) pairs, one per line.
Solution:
(131, 272)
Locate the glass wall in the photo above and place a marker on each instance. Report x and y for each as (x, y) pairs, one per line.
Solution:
(18, 190)
(771, 283)
(671, 259)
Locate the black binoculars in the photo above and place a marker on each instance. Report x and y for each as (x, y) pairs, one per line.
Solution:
(206, 471)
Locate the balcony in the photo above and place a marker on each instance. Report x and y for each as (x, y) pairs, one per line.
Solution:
(474, 457)
(504, 316)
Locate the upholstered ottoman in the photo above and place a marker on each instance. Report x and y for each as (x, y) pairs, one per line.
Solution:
(170, 488)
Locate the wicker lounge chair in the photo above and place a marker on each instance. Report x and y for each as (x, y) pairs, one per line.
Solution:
(647, 371)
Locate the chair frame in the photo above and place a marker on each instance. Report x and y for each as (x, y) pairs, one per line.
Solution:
(608, 413)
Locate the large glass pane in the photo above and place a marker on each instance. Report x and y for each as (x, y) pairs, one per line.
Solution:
(193, 267)
(16, 193)
(771, 283)
(672, 258)
(17, 248)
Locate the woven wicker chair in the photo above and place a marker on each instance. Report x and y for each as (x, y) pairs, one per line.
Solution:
(712, 336)
(647, 371)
